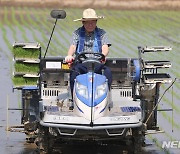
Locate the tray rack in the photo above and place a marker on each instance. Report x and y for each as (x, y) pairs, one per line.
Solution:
(26, 67)
(150, 74)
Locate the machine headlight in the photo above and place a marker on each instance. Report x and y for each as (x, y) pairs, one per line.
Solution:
(82, 90)
(101, 90)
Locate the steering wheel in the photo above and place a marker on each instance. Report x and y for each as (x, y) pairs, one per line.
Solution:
(90, 57)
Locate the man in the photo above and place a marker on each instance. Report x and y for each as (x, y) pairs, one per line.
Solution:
(88, 38)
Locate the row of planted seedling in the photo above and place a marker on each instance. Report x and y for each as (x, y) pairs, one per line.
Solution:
(26, 64)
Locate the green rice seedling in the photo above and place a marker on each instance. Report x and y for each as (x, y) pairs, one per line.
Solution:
(18, 23)
(169, 119)
(42, 27)
(4, 34)
(20, 81)
(19, 52)
(26, 67)
(29, 23)
(8, 22)
(56, 41)
(171, 138)
(158, 144)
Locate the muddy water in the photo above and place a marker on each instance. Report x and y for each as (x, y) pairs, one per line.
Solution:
(14, 143)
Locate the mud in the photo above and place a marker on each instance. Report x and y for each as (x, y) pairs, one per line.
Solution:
(15, 143)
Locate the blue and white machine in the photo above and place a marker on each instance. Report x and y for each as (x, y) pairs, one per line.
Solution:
(91, 96)
(123, 112)
(91, 92)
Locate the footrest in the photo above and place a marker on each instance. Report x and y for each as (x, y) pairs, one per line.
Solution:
(31, 75)
(157, 64)
(26, 60)
(157, 78)
(27, 45)
(156, 49)
(25, 75)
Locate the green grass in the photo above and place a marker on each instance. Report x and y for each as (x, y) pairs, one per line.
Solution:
(18, 23)
(20, 81)
(19, 52)
(158, 144)
(9, 24)
(26, 68)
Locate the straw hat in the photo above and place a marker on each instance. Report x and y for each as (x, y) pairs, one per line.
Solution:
(89, 14)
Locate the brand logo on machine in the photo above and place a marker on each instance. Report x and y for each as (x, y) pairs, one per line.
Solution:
(64, 118)
(171, 144)
(123, 118)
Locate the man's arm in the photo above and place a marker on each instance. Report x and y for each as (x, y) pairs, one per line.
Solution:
(71, 50)
(105, 42)
(69, 58)
(105, 50)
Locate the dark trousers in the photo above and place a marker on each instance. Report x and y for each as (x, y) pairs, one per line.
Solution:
(80, 68)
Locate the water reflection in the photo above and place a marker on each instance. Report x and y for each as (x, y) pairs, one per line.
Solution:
(85, 148)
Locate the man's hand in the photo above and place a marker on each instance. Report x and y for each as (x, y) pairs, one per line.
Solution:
(103, 61)
(69, 59)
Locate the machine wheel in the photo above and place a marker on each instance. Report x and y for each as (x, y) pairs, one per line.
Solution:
(44, 141)
(137, 147)
(138, 140)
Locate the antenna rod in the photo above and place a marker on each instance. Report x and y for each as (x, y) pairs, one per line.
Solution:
(92, 100)
(50, 38)
(172, 109)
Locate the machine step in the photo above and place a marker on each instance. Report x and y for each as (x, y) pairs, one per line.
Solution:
(157, 78)
(156, 49)
(157, 64)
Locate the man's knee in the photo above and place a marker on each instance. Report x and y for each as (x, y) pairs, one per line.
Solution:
(108, 74)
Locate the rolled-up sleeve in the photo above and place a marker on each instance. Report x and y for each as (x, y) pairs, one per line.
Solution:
(104, 37)
(75, 38)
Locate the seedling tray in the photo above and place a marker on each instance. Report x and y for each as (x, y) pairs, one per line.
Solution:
(157, 78)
